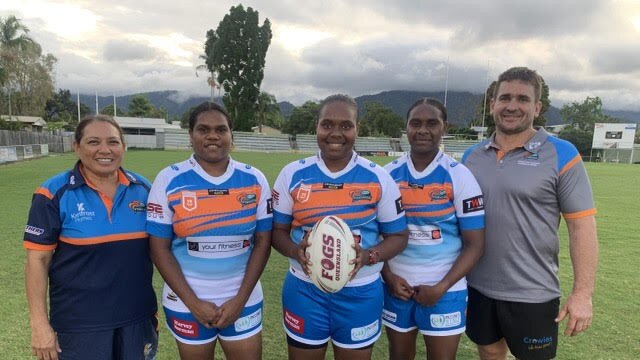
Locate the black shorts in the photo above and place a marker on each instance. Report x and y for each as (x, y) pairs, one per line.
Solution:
(529, 329)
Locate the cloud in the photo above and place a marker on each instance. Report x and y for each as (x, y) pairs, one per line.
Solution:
(581, 47)
(120, 50)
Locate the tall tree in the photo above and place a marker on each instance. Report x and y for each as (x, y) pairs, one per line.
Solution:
(60, 107)
(236, 51)
(585, 114)
(140, 106)
(108, 110)
(14, 34)
(379, 120)
(26, 72)
(303, 119)
(267, 111)
(485, 109)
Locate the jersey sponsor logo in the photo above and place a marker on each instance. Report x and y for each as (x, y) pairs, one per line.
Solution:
(210, 247)
(293, 322)
(389, 316)
(137, 206)
(359, 195)
(441, 321)
(533, 145)
(473, 204)
(189, 200)
(171, 296)
(248, 322)
(539, 343)
(247, 199)
(82, 215)
(304, 193)
(425, 235)
(33, 230)
(269, 206)
(415, 186)
(185, 328)
(174, 167)
(438, 194)
(218, 192)
(454, 164)
(333, 186)
(275, 196)
(399, 207)
(372, 165)
(154, 211)
(365, 332)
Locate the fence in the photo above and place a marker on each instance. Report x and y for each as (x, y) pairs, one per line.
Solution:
(56, 143)
(21, 152)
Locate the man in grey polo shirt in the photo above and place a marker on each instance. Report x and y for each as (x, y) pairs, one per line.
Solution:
(528, 179)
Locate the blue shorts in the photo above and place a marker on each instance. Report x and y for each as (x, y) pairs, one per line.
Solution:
(447, 317)
(350, 317)
(186, 329)
(132, 342)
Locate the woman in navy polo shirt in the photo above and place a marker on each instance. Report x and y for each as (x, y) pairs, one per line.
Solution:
(86, 242)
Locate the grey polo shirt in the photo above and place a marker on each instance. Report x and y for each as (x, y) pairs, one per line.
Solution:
(525, 192)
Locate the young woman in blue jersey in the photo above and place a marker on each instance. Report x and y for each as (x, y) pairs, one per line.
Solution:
(86, 241)
(337, 182)
(425, 286)
(209, 218)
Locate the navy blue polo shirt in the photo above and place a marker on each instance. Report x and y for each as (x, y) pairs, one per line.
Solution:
(100, 273)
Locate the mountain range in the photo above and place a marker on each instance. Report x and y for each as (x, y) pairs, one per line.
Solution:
(461, 106)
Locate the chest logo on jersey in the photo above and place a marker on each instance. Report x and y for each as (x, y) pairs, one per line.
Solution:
(334, 186)
(218, 192)
(247, 199)
(359, 195)
(304, 193)
(82, 215)
(530, 160)
(189, 200)
(438, 194)
(137, 206)
(473, 204)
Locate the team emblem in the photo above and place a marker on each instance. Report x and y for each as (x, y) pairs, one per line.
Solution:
(189, 200)
(304, 193)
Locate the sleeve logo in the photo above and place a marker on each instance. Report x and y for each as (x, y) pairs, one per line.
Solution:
(473, 204)
(33, 230)
(399, 206)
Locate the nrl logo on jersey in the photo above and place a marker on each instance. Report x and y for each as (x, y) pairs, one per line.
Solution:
(304, 193)
(358, 195)
(189, 200)
(247, 199)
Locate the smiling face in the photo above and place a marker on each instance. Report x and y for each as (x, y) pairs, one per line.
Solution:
(211, 140)
(100, 149)
(514, 107)
(336, 134)
(425, 127)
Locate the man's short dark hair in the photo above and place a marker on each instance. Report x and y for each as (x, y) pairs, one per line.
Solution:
(523, 74)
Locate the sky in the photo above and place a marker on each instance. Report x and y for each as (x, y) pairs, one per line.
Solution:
(581, 47)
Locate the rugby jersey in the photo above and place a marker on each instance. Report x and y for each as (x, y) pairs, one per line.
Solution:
(100, 273)
(362, 194)
(210, 220)
(440, 202)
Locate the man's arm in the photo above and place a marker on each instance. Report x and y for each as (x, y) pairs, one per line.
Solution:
(583, 248)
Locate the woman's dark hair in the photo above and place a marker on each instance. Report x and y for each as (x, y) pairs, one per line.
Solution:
(430, 101)
(204, 107)
(77, 135)
(339, 98)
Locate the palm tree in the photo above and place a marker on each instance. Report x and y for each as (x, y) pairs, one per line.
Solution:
(14, 34)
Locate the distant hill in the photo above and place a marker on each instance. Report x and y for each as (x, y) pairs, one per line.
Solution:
(461, 106)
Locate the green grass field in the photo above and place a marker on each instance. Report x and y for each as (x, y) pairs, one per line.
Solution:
(615, 333)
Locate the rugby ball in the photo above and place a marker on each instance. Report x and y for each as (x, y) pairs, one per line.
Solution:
(331, 251)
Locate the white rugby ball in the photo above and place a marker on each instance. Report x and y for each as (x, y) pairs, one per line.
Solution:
(331, 251)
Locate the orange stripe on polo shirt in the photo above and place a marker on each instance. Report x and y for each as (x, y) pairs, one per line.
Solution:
(44, 192)
(579, 214)
(35, 246)
(104, 239)
(570, 164)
